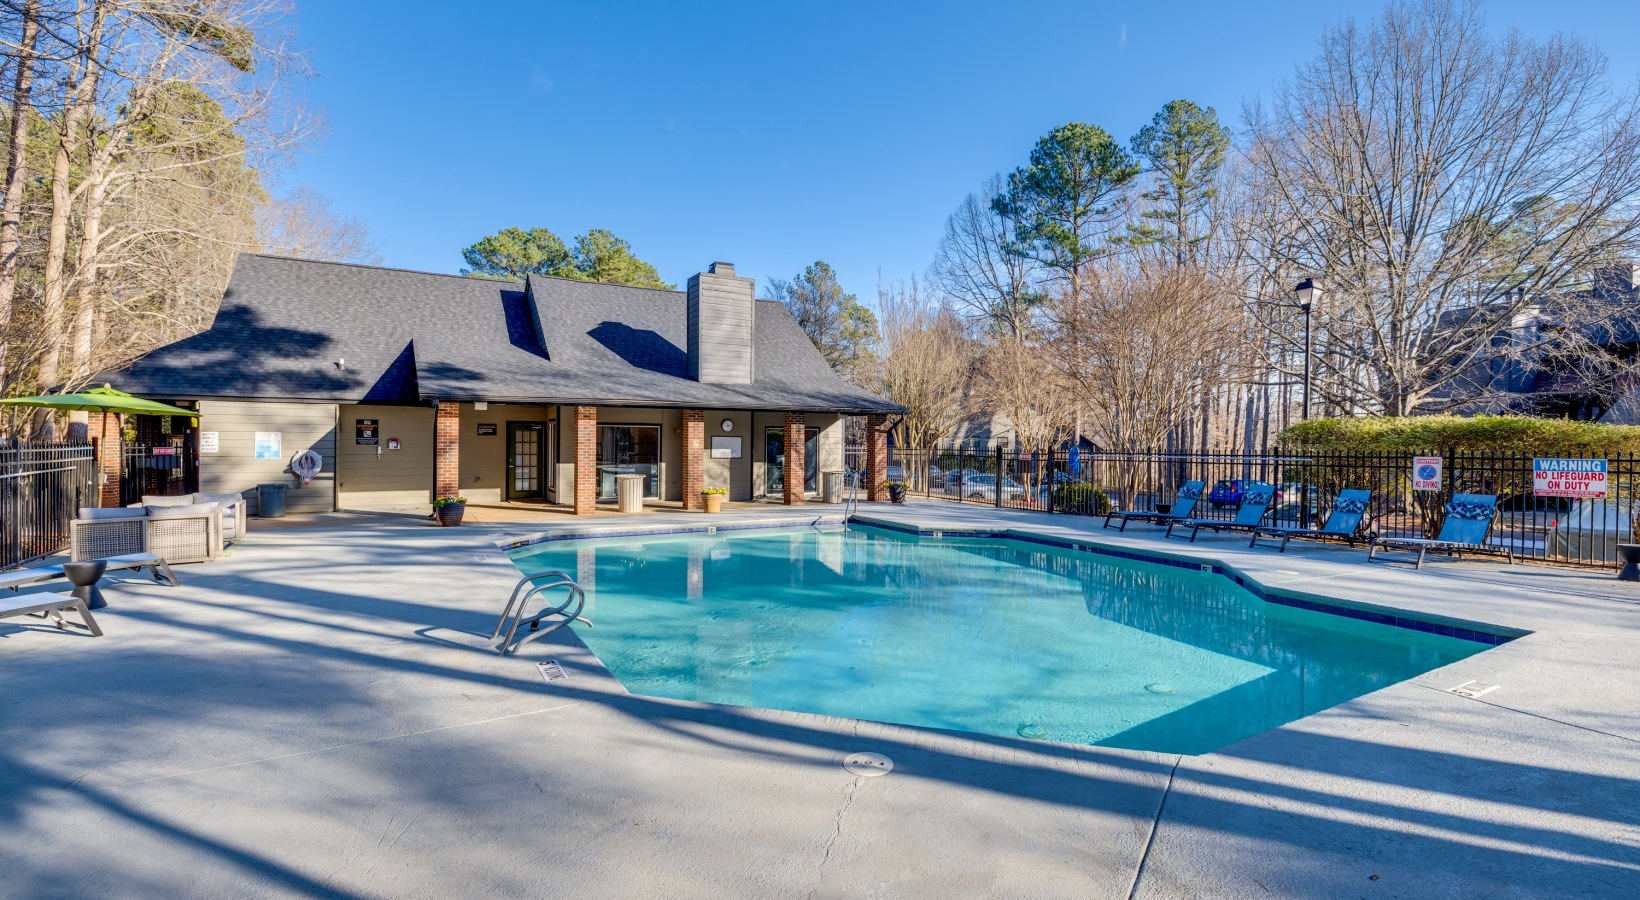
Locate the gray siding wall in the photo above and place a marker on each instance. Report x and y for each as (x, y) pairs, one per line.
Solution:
(399, 479)
(734, 474)
(721, 324)
(234, 467)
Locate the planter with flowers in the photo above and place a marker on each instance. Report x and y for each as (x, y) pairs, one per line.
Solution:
(896, 491)
(713, 498)
(449, 510)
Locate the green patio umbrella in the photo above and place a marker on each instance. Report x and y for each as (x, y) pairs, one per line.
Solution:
(104, 399)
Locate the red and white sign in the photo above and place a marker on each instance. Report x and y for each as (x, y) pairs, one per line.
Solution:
(165, 451)
(1581, 478)
(1426, 473)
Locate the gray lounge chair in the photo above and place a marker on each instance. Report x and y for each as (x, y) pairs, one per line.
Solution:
(1469, 519)
(139, 561)
(1343, 523)
(1255, 503)
(51, 607)
(1183, 506)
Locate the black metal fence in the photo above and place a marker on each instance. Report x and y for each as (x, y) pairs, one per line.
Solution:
(1558, 530)
(42, 487)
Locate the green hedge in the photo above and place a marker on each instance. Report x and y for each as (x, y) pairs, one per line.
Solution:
(1081, 496)
(1431, 433)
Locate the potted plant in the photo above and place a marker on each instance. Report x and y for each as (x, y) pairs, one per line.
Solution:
(896, 491)
(450, 510)
(713, 498)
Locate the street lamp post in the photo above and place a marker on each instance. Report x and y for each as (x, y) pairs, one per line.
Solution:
(1309, 293)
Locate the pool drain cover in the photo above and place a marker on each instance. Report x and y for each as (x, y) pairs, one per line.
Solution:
(1473, 689)
(552, 671)
(868, 764)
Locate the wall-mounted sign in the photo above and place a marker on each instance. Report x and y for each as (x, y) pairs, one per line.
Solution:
(1582, 478)
(165, 451)
(486, 429)
(209, 442)
(726, 447)
(393, 443)
(269, 445)
(1426, 473)
(365, 431)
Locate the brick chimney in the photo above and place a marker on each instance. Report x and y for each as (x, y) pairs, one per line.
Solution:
(722, 312)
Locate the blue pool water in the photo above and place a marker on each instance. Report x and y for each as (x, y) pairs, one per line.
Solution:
(975, 634)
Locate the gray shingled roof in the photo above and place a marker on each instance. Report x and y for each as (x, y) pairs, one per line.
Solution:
(286, 325)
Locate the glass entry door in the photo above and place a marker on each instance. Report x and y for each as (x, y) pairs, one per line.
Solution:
(774, 459)
(526, 460)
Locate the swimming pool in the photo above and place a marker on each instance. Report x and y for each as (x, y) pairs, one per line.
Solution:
(988, 635)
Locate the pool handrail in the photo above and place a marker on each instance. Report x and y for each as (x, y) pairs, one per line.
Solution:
(520, 597)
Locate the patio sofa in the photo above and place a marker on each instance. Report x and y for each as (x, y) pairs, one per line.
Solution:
(190, 528)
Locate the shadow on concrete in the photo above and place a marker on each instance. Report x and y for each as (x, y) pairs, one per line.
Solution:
(295, 663)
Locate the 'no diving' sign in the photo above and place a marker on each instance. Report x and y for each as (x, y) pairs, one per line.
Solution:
(1426, 473)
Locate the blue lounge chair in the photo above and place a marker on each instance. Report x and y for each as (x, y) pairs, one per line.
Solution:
(1469, 519)
(1343, 521)
(1183, 506)
(1256, 498)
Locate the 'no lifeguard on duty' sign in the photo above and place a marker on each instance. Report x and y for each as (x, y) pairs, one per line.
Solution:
(1584, 478)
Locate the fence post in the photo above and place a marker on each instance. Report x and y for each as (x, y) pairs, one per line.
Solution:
(998, 485)
(1047, 478)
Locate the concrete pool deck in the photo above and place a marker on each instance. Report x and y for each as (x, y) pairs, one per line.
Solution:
(318, 714)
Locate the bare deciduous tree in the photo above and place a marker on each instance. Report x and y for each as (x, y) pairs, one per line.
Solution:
(163, 110)
(1142, 345)
(303, 223)
(978, 269)
(923, 363)
(1443, 179)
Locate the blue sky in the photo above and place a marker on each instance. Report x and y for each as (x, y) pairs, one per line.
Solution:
(769, 134)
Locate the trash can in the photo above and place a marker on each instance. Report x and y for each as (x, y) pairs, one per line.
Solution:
(629, 492)
(270, 500)
(831, 484)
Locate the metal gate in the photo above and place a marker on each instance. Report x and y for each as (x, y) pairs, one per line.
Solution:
(166, 467)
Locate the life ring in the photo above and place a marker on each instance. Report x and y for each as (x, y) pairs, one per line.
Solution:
(306, 464)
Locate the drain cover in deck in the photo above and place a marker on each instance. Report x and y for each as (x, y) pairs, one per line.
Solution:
(868, 764)
(1473, 689)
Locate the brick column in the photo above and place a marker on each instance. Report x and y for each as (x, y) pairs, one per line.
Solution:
(104, 428)
(694, 458)
(793, 494)
(446, 449)
(876, 458)
(586, 460)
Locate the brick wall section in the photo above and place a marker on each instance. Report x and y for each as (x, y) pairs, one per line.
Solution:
(104, 428)
(586, 460)
(876, 458)
(447, 450)
(694, 458)
(793, 493)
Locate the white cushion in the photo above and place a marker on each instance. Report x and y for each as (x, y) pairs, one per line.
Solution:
(172, 512)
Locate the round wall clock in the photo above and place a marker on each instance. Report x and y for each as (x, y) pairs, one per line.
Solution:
(728, 424)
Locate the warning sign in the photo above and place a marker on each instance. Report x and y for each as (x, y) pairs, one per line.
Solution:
(1426, 473)
(1583, 478)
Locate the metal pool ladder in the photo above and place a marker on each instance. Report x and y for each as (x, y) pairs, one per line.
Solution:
(517, 603)
(851, 505)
